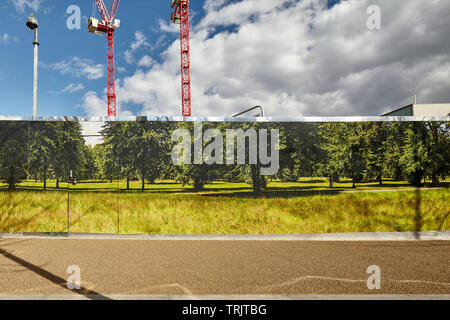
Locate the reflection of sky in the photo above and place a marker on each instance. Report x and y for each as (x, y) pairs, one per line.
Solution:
(90, 129)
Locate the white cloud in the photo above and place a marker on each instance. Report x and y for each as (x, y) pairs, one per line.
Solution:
(78, 67)
(213, 5)
(4, 38)
(140, 41)
(300, 58)
(168, 26)
(22, 5)
(95, 106)
(71, 88)
(145, 61)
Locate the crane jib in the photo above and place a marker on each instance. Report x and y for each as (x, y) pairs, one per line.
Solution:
(108, 17)
(107, 26)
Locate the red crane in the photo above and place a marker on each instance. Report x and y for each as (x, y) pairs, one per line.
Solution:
(108, 25)
(181, 17)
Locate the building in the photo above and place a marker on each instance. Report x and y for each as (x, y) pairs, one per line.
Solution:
(422, 110)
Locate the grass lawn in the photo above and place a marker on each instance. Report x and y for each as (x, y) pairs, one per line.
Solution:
(224, 208)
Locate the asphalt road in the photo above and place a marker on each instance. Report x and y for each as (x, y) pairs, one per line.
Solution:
(135, 267)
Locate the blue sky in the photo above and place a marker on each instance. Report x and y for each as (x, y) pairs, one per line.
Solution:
(293, 57)
(59, 44)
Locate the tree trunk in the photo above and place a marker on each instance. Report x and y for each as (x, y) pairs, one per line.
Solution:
(143, 182)
(198, 185)
(11, 184)
(45, 179)
(11, 180)
(434, 155)
(331, 181)
(57, 183)
(380, 179)
(128, 183)
(255, 179)
(416, 178)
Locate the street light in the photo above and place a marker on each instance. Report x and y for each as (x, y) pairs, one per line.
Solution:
(261, 114)
(32, 23)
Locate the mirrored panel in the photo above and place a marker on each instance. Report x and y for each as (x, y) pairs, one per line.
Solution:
(93, 180)
(225, 177)
(33, 187)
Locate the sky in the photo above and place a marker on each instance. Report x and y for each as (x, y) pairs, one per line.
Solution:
(293, 57)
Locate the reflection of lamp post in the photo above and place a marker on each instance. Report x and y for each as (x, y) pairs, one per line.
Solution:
(254, 168)
(32, 23)
(261, 114)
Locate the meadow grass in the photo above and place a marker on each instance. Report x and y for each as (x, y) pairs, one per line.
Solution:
(227, 213)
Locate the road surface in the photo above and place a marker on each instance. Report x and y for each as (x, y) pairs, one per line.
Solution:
(146, 267)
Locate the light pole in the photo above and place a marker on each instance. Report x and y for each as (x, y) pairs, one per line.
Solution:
(32, 23)
(261, 114)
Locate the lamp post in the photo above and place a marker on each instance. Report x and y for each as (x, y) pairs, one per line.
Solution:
(32, 23)
(261, 114)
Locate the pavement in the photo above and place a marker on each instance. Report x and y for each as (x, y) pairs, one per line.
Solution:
(116, 268)
(443, 235)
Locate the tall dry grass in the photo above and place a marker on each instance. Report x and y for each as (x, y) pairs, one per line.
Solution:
(156, 213)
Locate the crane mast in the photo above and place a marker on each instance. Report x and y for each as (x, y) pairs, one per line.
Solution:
(181, 16)
(107, 26)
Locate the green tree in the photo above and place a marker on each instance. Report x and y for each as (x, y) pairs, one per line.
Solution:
(13, 152)
(42, 149)
(416, 152)
(333, 164)
(394, 167)
(375, 149)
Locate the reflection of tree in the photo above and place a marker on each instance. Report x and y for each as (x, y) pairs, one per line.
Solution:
(141, 150)
(43, 140)
(336, 150)
(366, 151)
(13, 152)
(134, 150)
(40, 150)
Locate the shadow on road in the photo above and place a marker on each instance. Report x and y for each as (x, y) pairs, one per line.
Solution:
(52, 277)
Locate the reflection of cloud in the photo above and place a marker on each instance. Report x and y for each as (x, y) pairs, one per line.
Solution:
(91, 132)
